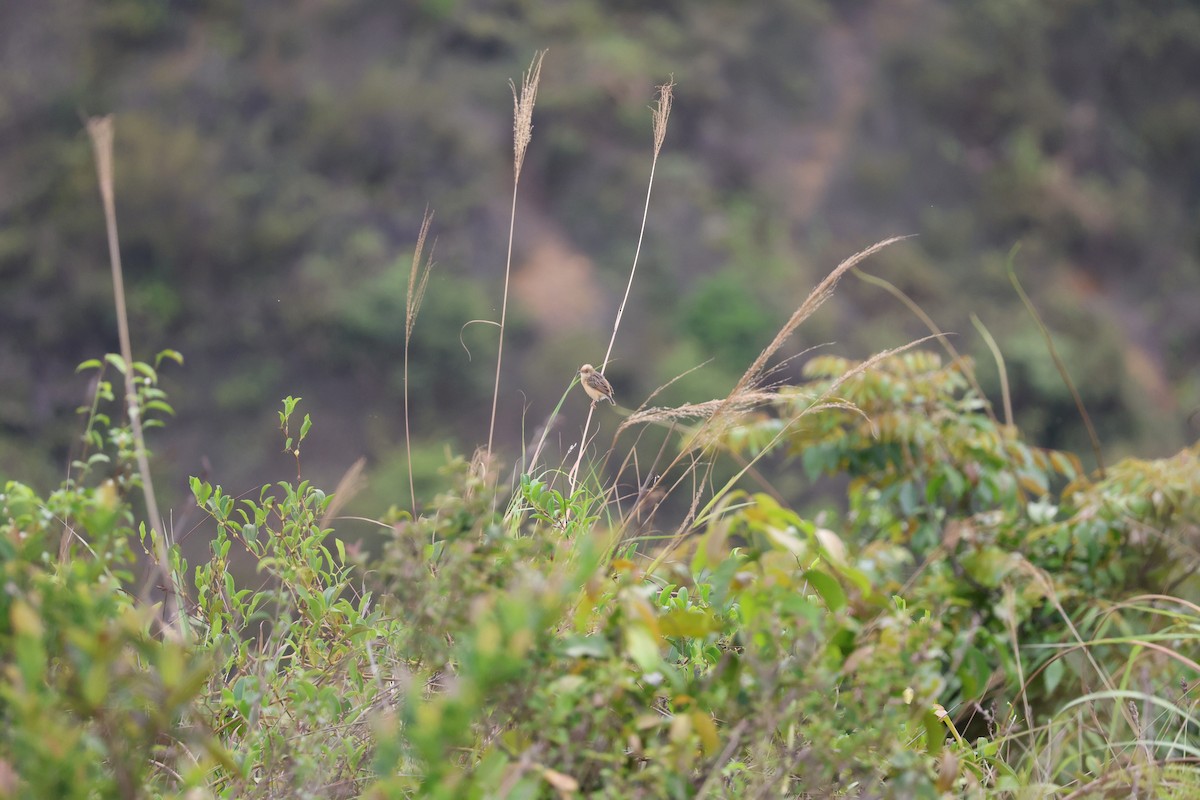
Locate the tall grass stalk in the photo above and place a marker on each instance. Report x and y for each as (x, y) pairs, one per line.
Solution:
(744, 394)
(522, 133)
(1058, 362)
(943, 337)
(823, 402)
(418, 278)
(990, 341)
(100, 131)
(661, 115)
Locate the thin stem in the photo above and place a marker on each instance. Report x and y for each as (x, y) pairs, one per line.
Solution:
(662, 113)
(1005, 394)
(412, 487)
(417, 281)
(920, 314)
(522, 133)
(100, 130)
(512, 222)
(1058, 362)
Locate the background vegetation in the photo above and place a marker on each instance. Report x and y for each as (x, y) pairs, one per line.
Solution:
(979, 606)
(275, 161)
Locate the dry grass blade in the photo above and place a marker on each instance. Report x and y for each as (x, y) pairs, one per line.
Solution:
(100, 131)
(815, 300)
(662, 113)
(944, 339)
(351, 484)
(1058, 363)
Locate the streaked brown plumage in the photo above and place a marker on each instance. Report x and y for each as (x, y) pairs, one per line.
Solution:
(595, 384)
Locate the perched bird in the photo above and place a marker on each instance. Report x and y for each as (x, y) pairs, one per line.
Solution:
(595, 384)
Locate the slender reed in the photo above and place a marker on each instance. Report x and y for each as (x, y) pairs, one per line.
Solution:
(744, 392)
(100, 131)
(522, 133)
(418, 278)
(1058, 362)
(1005, 394)
(662, 113)
(943, 338)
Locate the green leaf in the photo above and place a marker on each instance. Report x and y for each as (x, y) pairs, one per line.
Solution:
(173, 355)
(828, 588)
(642, 646)
(116, 361)
(159, 405)
(989, 565)
(687, 622)
(974, 672)
(576, 646)
(1053, 674)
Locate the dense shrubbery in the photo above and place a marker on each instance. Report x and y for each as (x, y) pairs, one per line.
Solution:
(986, 618)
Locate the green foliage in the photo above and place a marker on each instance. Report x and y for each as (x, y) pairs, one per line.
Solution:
(518, 646)
(1000, 543)
(988, 123)
(89, 692)
(726, 319)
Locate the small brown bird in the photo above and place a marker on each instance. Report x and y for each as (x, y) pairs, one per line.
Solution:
(595, 384)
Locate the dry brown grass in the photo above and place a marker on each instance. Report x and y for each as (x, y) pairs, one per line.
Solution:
(718, 414)
(661, 115)
(523, 103)
(418, 279)
(100, 131)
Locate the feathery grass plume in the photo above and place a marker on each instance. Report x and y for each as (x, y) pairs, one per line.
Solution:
(660, 116)
(743, 394)
(522, 134)
(815, 300)
(100, 131)
(720, 409)
(742, 402)
(418, 278)
(825, 400)
(523, 111)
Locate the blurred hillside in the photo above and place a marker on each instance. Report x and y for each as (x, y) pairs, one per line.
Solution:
(274, 160)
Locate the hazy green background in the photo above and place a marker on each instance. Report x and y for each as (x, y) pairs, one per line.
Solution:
(274, 160)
